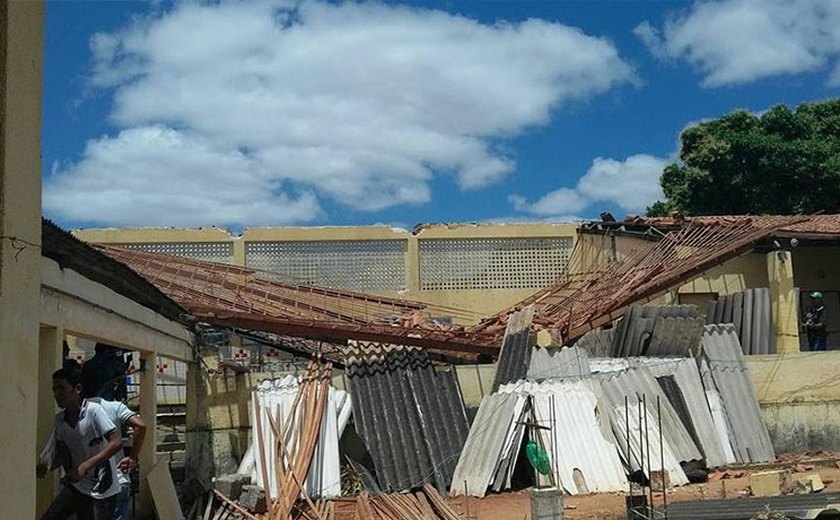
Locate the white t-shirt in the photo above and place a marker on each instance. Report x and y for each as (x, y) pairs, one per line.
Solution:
(119, 414)
(84, 440)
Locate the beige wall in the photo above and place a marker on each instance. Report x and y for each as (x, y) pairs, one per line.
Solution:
(21, 52)
(744, 272)
(474, 303)
(800, 398)
(596, 251)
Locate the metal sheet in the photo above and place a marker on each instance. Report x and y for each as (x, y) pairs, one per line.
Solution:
(748, 433)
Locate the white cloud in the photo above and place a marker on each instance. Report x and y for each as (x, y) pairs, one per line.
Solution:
(361, 103)
(739, 41)
(632, 185)
(159, 176)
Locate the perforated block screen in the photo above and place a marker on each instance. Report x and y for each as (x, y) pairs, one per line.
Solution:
(492, 263)
(360, 265)
(221, 252)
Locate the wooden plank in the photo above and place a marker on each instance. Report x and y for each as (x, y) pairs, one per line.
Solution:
(162, 489)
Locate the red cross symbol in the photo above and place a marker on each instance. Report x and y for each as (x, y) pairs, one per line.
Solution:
(161, 367)
(272, 353)
(241, 354)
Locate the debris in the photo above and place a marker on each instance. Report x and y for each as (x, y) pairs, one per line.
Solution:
(768, 483)
(812, 482)
(231, 485)
(253, 499)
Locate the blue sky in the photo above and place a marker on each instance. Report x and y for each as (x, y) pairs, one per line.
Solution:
(334, 113)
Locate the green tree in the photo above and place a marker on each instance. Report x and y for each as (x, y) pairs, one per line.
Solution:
(779, 162)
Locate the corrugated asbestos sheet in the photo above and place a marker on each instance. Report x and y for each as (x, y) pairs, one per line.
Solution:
(584, 460)
(643, 440)
(658, 330)
(597, 343)
(492, 445)
(799, 507)
(558, 363)
(747, 431)
(410, 415)
(749, 312)
(515, 357)
(688, 389)
(639, 383)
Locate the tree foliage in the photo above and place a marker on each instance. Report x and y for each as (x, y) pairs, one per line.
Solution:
(779, 162)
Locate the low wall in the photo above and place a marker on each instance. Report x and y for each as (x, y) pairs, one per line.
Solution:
(799, 395)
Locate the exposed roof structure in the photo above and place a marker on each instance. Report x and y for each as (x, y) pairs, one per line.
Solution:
(71, 253)
(232, 296)
(584, 301)
(826, 225)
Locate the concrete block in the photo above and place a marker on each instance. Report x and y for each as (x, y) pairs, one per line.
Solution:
(768, 483)
(813, 482)
(546, 504)
(231, 485)
(253, 499)
(659, 479)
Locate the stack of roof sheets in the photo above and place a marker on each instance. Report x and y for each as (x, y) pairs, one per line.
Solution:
(515, 357)
(492, 447)
(558, 363)
(658, 330)
(576, 436)
(749, 312)
(726, 372)
(411, 416)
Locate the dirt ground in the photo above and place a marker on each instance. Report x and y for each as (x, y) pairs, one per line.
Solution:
(731, 484)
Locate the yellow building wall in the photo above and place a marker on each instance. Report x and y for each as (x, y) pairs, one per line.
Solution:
(744, 272)
(595, 251)
(466, 306)
(800, 399)
(21, 53)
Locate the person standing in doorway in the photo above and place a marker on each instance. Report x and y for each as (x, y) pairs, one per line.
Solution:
(85, 441)
(816, 325)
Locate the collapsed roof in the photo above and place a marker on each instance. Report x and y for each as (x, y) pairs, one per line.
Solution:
(232, 296)
(682, 251)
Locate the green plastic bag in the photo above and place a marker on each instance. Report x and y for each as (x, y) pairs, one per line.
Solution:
(538, 458)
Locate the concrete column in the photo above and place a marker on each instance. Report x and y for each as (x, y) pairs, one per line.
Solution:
(49, 360)
(21, 59)
(148, 412)
(412, 267)
(239, 251)
(783, 302)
